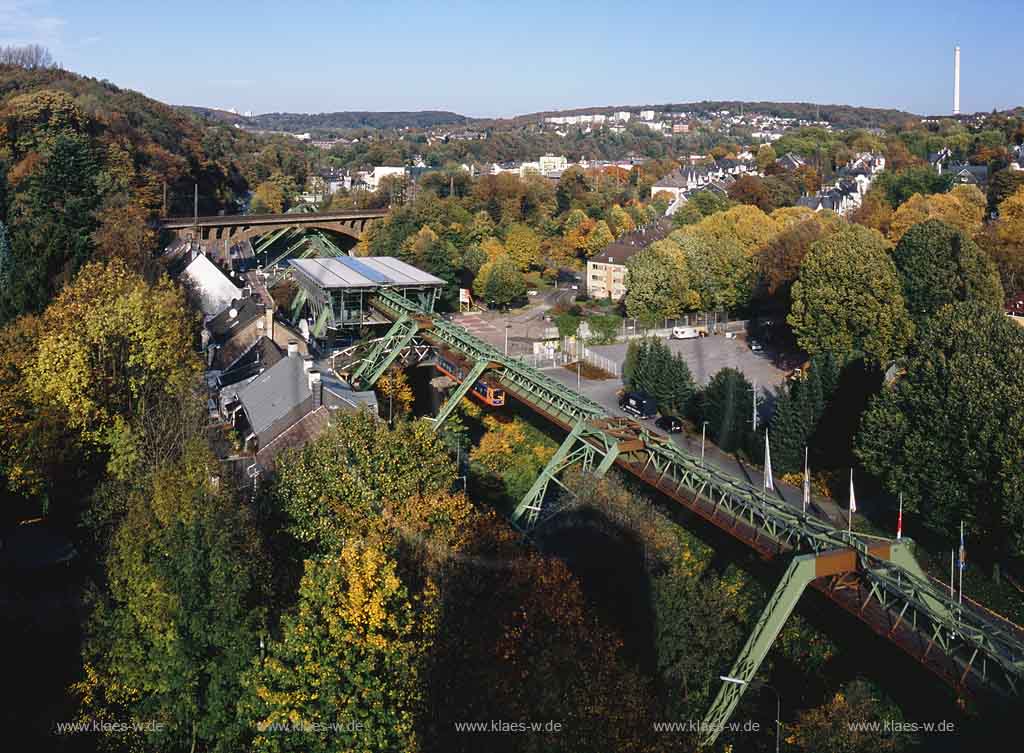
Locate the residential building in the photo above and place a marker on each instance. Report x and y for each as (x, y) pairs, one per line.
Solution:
(790, 161)
(289, 404)
(378, 173)
(647, 115)
(550, 163)
(210, 289)
(606, 272)
(974, 175)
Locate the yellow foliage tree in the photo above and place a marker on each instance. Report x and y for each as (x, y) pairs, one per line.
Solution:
(113, 346)
(394, 391)
(1011, 218)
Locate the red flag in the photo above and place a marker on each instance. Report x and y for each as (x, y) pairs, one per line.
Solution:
(899, 521)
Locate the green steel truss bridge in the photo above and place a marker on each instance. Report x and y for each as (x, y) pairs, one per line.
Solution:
(877, 580)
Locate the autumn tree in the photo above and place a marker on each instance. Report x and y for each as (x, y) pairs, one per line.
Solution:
(336, 486)
(511, 616)
(394, 391)
(598, 238)
(658, 284)
(837, 725)
(268, 198)
(353, 654)
(779, 261)
(112, 348)
(848, 299)
(937, 264)
(522, 244)
(1011, 219)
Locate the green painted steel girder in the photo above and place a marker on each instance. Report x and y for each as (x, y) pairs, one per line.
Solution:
(798, 575)
(322, 322)
(300, 299)
(459, 392)
(386, 351)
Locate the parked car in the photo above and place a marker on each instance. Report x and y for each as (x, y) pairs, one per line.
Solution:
(639, 404)
(755, 345)
(671, 424)
(531, 292)
(688, 333)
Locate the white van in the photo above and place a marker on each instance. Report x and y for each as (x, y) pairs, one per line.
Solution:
(686, 333)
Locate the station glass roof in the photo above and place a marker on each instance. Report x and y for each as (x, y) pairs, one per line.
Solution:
(363, 272)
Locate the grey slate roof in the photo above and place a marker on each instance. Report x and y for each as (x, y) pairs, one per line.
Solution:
(270, 396)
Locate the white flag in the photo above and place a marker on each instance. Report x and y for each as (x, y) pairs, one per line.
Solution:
(853, 497)
(807, 481)
(768, 485)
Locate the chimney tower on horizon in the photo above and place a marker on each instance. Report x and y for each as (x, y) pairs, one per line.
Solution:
(956, 80)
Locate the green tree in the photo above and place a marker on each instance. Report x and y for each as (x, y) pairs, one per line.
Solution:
(949, 435)
(52, 220)
(657, 283)
(664, 376)
(335, 487)
(721, 272)
(568, 324)
(353, 654)
(848, 299)
(938, 264)
(727, 404)
(603, 328)
(181, 620)
(499, 282)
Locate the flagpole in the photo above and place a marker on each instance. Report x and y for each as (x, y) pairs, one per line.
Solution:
(961, 562)
(899, 520)
(952, 558)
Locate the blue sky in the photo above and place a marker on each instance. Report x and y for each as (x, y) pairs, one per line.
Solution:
(507, 57)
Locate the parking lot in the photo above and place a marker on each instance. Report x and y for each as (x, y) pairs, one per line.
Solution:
(707, 355)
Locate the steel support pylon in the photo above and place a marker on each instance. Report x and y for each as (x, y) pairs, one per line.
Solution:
(801, 571)
(575, 450)
(459, 392)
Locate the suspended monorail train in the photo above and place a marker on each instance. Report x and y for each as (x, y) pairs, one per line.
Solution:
(486, 389)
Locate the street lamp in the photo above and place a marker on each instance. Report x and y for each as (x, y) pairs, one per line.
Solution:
(703, 437)
(507, 327)
(778, 701)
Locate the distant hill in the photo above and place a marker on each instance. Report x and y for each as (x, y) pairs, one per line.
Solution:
(840, 116)
(297, 122)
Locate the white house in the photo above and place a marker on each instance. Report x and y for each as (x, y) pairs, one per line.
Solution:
(374, 177)
(549, 163)
(647, 115)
